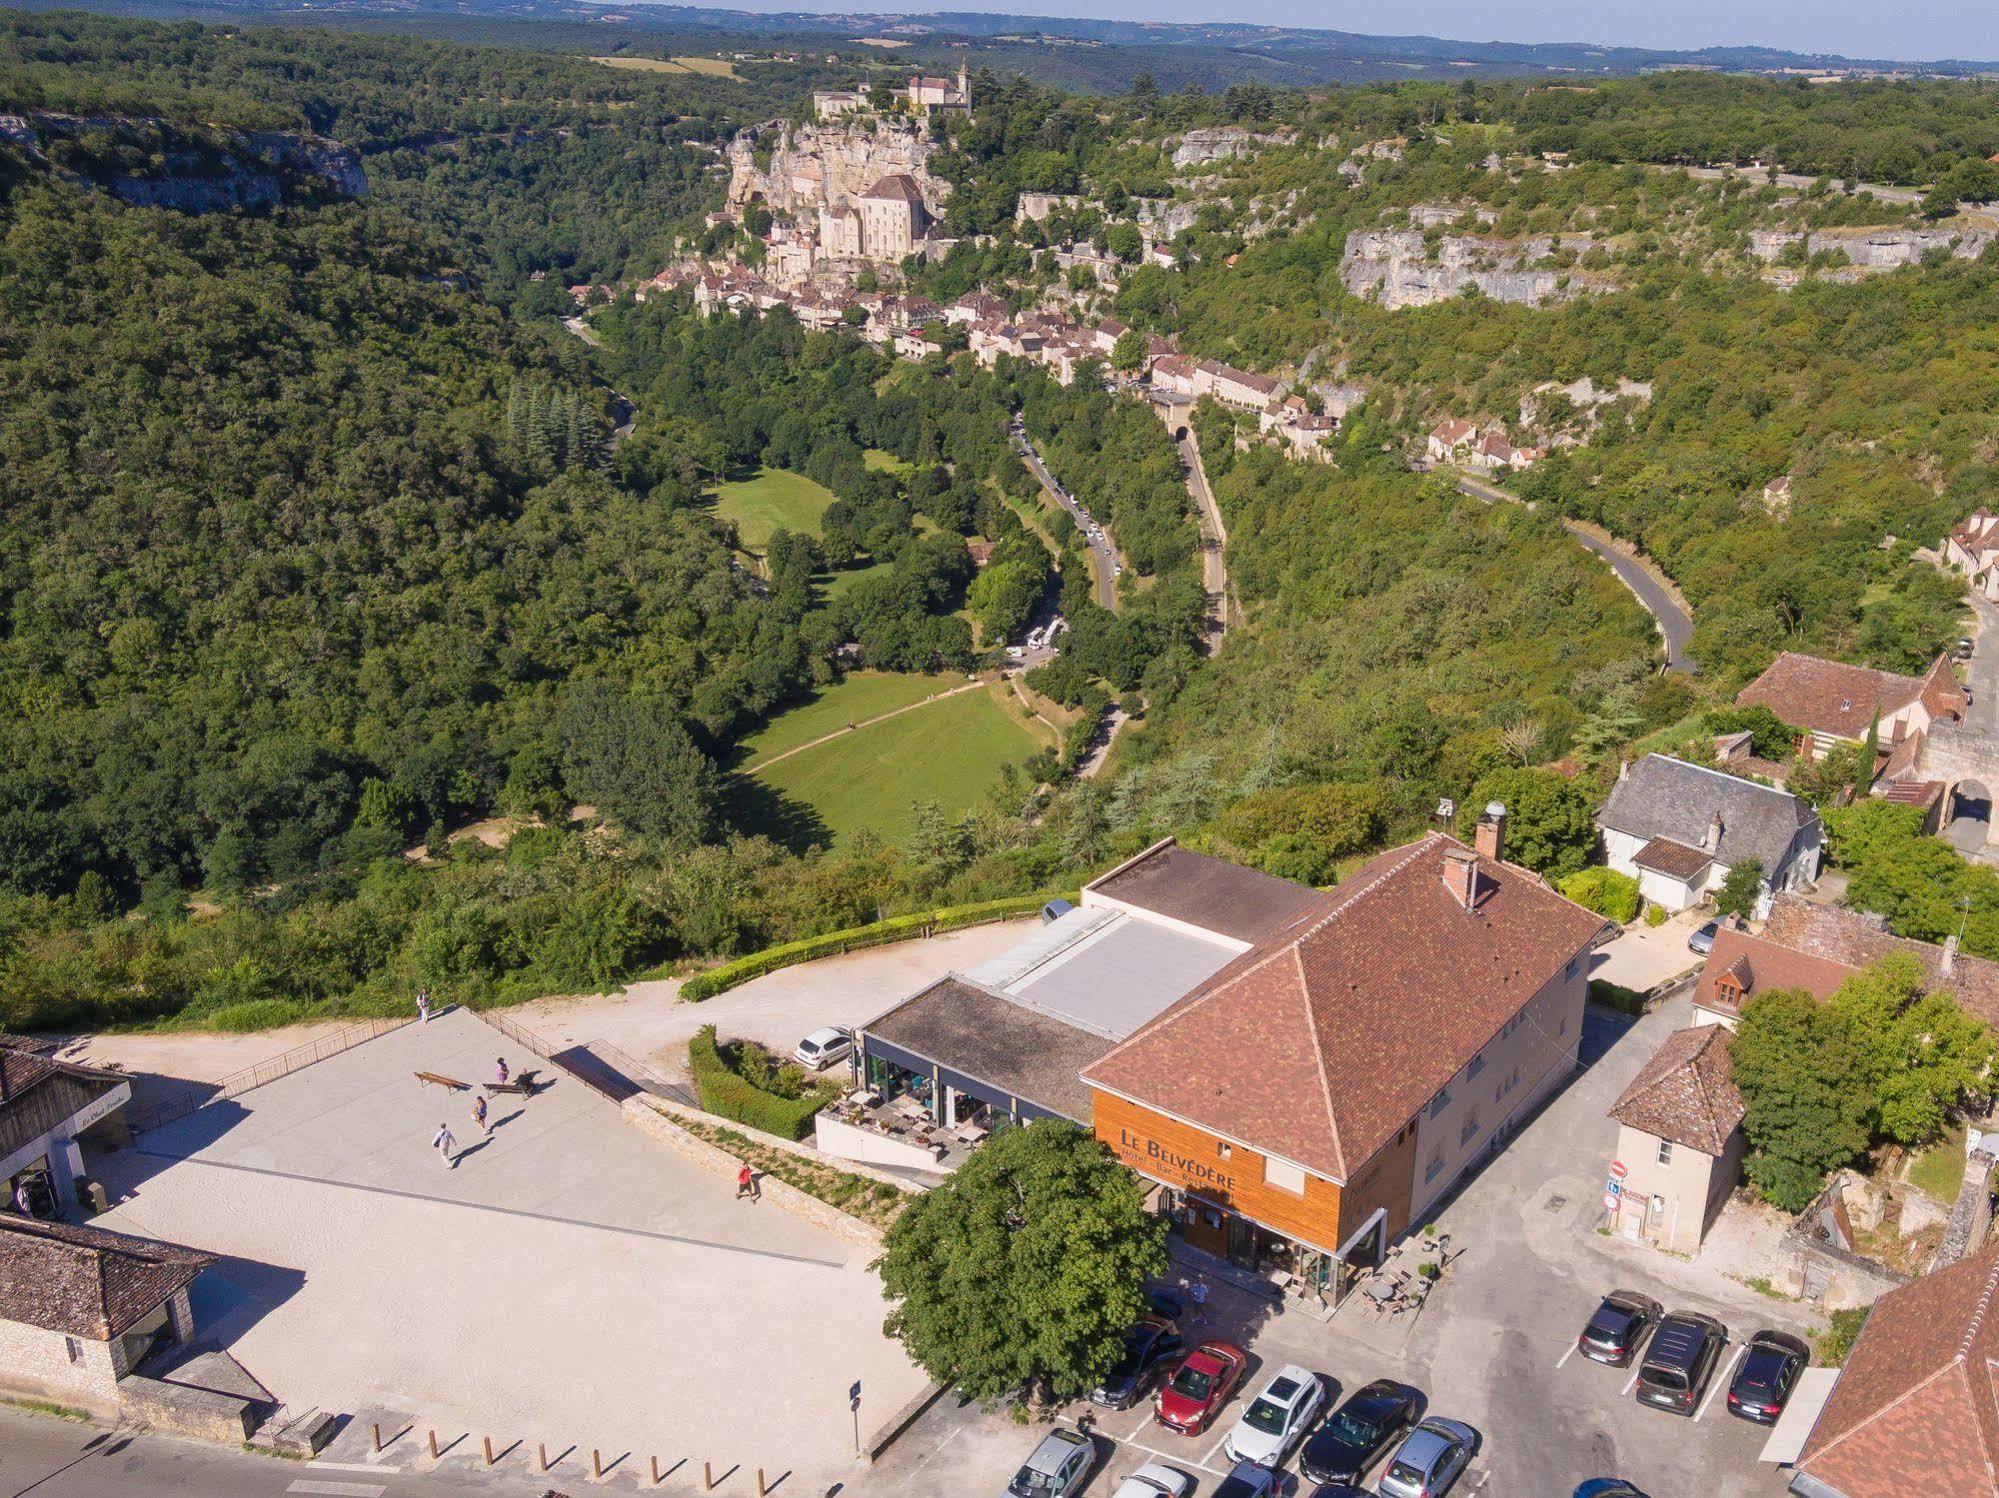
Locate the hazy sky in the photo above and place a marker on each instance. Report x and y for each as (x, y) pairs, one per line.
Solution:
(1912, 29)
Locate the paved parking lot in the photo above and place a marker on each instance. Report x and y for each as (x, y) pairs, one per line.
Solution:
(1493, 1347)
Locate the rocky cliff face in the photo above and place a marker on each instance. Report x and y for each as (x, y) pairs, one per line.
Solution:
(1400, 267)
(815, 166)
(1873, 249)
(192, 168)
(1207, 146)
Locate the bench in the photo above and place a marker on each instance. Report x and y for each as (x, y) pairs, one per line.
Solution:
(521, 1086)
(449, 1084)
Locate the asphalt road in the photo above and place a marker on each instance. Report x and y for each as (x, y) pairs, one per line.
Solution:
(1642, 577)
(1106, 558)
(1214, 533)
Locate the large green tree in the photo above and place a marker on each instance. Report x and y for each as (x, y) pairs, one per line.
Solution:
(1550, 824)
(1026, 1267)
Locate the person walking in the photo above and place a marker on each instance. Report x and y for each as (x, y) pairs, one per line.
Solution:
(445, 1144)
(423, 1005)
(500, 1071)
(479, 1115)
(1199, 1291)
(746, 1185)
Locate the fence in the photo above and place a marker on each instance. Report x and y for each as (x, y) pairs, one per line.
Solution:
(236, 1083)
(601, 1067)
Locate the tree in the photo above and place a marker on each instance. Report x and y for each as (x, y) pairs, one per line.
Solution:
(1550, 824)
(1918, 1051)
(1025, 1267)
(1739, 891)
(1128, 353)
(638, 765)
(1124, 243)
(1798, 1075)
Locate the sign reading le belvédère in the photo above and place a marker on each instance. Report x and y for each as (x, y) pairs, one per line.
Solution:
(1156, 1159)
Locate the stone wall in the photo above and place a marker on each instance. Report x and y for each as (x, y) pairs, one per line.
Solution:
(1971, 1218)
(183, 1410)
(73, 1371)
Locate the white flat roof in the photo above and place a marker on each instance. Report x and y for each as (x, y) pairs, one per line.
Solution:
(1801, 1413)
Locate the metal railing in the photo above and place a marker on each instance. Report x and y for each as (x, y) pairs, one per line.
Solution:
(236, 1083)
(597, 1064)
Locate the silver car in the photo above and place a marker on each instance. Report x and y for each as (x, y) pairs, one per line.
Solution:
(1432, 1457)
(1059, 1467)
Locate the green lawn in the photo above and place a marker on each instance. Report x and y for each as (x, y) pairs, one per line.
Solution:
(948, 752)
(833, 584)
(881, 461)
(776, 499)
(1939, 1170)
(863, 695)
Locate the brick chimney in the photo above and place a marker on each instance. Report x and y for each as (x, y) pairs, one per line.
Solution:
(1461, 876)
(1712, 842)
(1489, 837)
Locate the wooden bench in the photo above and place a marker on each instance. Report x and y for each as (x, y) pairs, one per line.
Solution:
(449, 1084)
(521, 1086)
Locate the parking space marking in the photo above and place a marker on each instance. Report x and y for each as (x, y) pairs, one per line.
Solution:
(1210, 1456)
(1632, 1382)
(1726, 1377)
(1171, 1459)
(1566, 1356)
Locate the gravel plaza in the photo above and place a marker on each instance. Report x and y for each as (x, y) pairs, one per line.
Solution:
(570, 1281)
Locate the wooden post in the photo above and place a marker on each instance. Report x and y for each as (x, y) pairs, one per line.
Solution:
(541, 1449)
(433, 1443)
(655, 1469)
(761, 1490)
(489, 1449)
(596, 1465)
(376, 1427)
(707, 1477)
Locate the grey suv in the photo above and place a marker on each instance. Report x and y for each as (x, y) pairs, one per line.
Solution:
(1681, 1358)
(1059, 1467)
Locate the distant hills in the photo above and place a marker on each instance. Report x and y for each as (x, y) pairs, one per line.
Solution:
(1074, 53)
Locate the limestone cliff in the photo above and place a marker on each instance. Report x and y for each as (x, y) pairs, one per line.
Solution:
(1873, 249)
(1401, 268)
(193, 168)
(815, 166)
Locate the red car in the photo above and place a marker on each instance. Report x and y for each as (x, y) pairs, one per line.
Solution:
(1198, 1387)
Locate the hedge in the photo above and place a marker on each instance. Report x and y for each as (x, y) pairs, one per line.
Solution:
(895, 928)
(727, 1095)
(1605, 891)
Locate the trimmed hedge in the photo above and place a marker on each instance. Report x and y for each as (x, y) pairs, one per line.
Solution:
(895, 928)
(1605, 891)
(727, 1095)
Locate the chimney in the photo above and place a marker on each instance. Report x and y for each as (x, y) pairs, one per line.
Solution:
(1949, 956)
(1489, 837)
(1461, 876)
(1714, 831)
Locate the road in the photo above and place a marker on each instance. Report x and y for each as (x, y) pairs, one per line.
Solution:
(623, 412)
(51, 1458)
(1647, 583)
(1214, 533)
(583, 330)
(1105, 557)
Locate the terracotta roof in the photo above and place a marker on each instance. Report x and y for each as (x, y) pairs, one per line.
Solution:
(1840, 935)
(1836, 698)
(1453, 431)
(1675, 860)
(1686, 1092)
(1914, 1410)
(1242, 904)
(1757, 965)
(1326, 1037)
(897, 187)
(87, 1281)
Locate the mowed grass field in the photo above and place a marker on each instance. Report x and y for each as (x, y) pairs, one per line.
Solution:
(776, 499)
(862, 695)
(948, 751)
(714, 67)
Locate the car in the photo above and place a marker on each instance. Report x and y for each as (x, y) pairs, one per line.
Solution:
(823, 1047)
(1619, 1328)
(1607, 1487)
(1248, 1480)
(1340, 1490)
(1963, 649)
(1155, 1480)
(1149, 1344)
(1277, 1418)
(1764, 1378)
(1680, 1361)
(1199, 1385)
(1354, 1436)
(1431, 1457)
(1702, 941)
(1059, 1466)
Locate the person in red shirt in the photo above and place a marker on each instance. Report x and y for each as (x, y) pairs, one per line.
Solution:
(746, 1185)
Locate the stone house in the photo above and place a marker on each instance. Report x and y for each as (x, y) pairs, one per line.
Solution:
(81, 1307)
(1973, 549)
(46, 1108)
(1679, 1142)
(1679, 828)
(1835, 703)
(893, 217)
(1447, 437)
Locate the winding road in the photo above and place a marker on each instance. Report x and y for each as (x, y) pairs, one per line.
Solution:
(1106, 559)
(1650, 586)
(1214, 533)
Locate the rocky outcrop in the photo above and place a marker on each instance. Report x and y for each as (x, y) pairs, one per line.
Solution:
(192, 168)
(1872, 249)
(1400, 267)
(817, 166)
(1211, 145)
(1443, 215)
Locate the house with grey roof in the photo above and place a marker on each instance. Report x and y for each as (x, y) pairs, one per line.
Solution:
(1679, 828)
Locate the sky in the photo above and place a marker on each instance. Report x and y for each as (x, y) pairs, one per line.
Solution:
(1905, 29)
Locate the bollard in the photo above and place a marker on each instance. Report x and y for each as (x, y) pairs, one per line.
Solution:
(541, 1449)
(761, 1489)
(376, 1427)
(596, 1466)
(655, 1469)
(707, 1477)
(433, 1443)
(489, 1449)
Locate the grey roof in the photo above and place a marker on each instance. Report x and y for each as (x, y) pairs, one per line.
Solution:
(87, 1281)
(989, 1038)
(1211, 893)
(1105, 971)
(1665, 797)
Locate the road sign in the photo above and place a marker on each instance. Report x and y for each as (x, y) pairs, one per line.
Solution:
(1610, 1202)
(854, 1394)
(1619, 1170)
(1611, 1188)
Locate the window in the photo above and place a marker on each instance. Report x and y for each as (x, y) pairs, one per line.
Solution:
(1283, 1175)
(1470, 1129)
(1434, 1168)
(1440, 1102)
(1223, 1150)
(75, 1349)
(1665, 1152)
(1475, 1066)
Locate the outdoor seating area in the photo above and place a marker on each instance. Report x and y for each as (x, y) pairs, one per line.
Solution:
(903, 1121)
(1403, 1282)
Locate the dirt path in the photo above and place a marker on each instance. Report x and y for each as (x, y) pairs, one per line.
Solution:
(1094, 763)
(1214, 532)
(827, 738)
